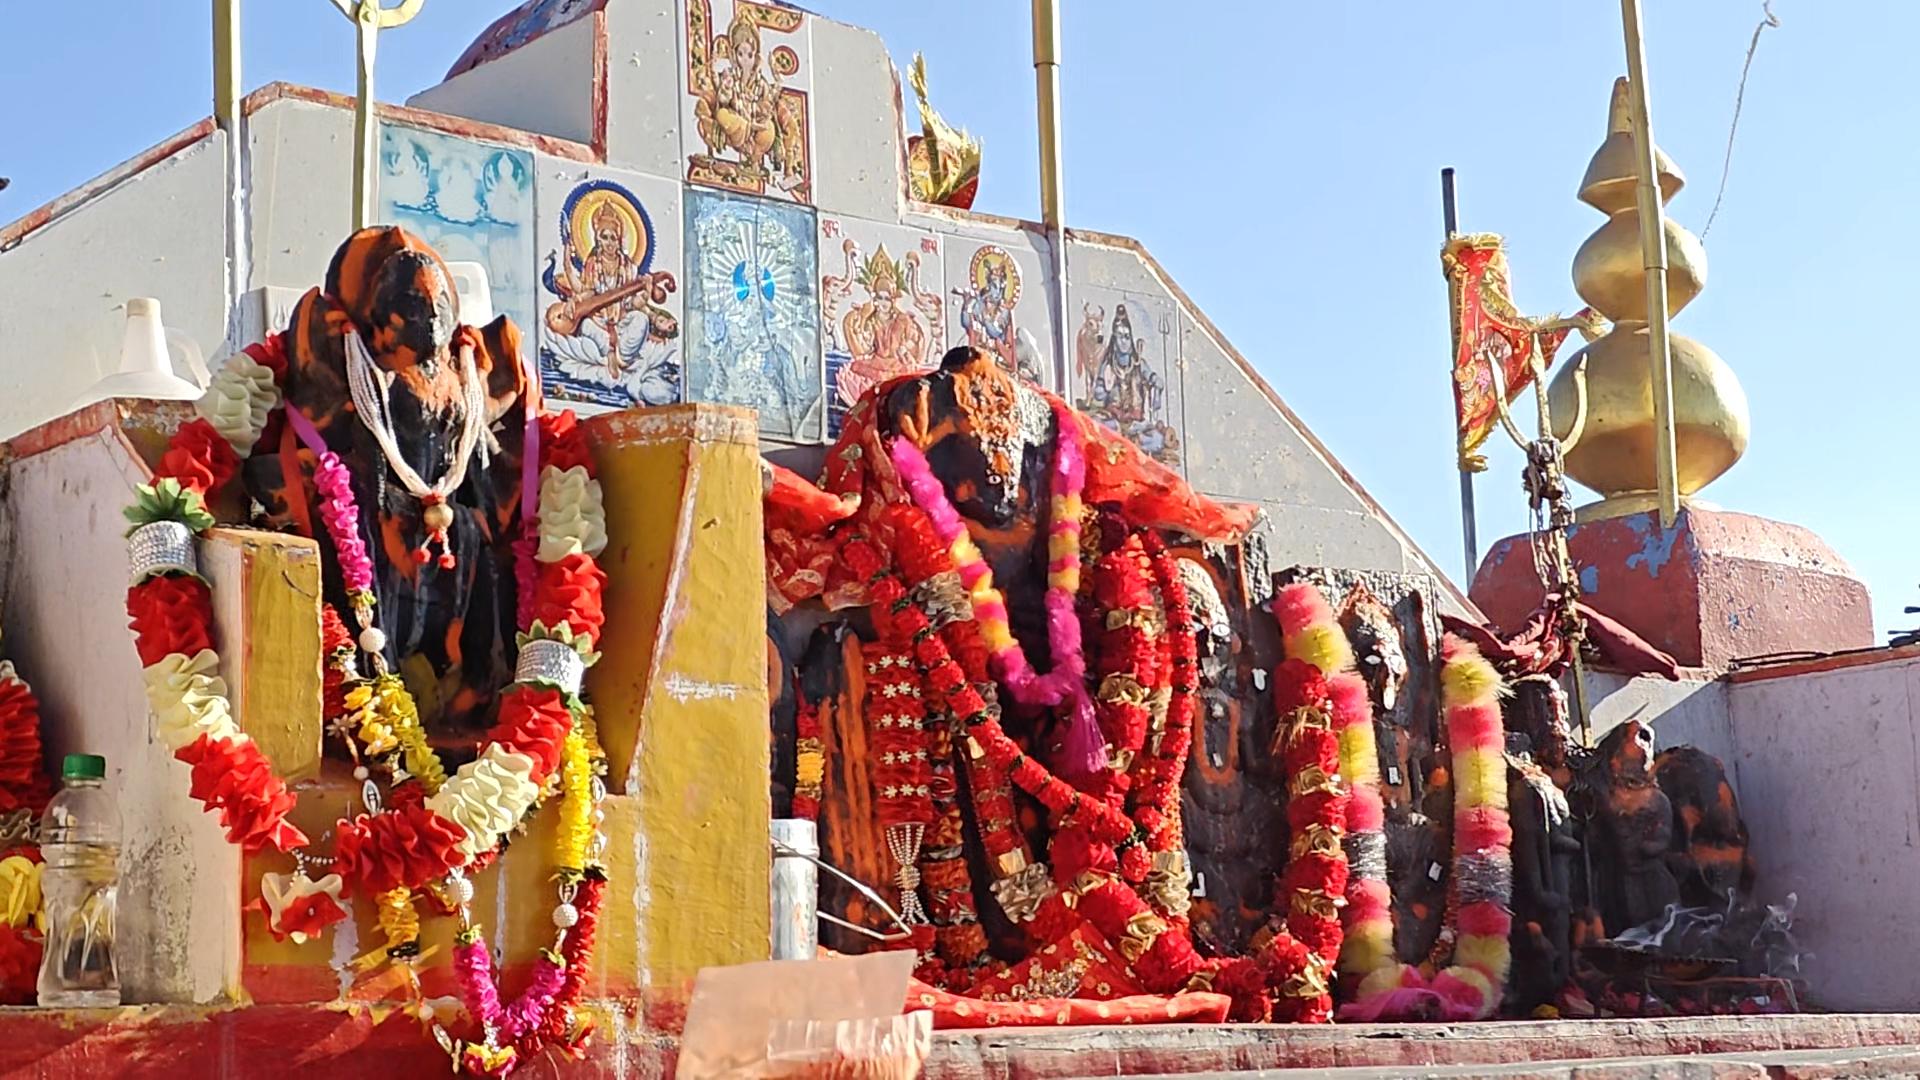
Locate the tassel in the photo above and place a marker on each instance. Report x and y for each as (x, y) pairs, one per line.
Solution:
(1083, 749)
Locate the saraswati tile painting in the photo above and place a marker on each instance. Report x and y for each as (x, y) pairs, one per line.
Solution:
(1126, 373)
(472, 201)
(747, 114)
(882, 309)
(610, 306)
(752, 296)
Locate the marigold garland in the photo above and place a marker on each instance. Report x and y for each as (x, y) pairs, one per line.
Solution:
(1315, 881)
(1310, 631)
(1480, 913)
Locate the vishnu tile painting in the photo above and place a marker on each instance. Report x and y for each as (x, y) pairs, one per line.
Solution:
(998, 297)
(882, 309)
(473, 202)
(1126, 368)
(747, 114)
(751, 289)
(610, 304)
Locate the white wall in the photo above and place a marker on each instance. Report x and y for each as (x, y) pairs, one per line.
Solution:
(544, 86)
(1829, 783)
(66, 630)
(160, 233)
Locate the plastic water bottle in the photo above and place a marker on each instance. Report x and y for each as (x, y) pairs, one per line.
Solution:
(80, 841)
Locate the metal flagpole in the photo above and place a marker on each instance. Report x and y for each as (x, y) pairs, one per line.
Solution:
(1653, 256)
(1046, 79)
(1469, 528)
(228, 117)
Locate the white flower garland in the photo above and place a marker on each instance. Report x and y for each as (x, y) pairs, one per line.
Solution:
(572, 519)
(239, 400)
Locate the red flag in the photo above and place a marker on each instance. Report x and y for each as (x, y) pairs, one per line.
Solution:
(1488, 330)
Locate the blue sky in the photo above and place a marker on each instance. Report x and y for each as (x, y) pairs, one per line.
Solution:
(1281, 160)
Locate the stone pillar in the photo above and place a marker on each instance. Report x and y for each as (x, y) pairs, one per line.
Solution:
(680, 694)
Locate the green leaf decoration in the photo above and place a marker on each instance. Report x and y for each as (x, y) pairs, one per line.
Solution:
(167, 500)
(562, 633)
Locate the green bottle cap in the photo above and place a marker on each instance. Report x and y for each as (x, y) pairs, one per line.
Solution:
(84, 767)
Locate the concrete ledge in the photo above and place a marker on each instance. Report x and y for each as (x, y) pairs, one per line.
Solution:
(288, 1042)
(1186, 1050)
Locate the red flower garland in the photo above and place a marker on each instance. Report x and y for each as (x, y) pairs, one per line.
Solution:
(199, 457)
(806, 735)
(534, 721)
(23, 776)
(1157, 795)
(171, 614)
(1316, 877)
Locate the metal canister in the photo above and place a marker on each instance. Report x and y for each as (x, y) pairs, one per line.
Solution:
(796, 889)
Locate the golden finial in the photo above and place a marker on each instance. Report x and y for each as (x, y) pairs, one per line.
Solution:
(1615, 455)
(945, 160)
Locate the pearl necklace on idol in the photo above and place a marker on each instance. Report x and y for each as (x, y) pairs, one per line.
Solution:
(370, 386)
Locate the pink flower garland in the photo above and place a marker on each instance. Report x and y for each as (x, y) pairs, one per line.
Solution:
(473, 970)
(338, 508)
(1083, 748)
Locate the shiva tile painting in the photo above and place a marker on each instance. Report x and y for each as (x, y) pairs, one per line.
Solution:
(473, 202)
(609, 269)
(746, 117)
(1125, 361)
(882, 309)
(751, 296)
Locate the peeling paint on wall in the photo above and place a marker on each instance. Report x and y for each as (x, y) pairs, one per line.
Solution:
(682, 689)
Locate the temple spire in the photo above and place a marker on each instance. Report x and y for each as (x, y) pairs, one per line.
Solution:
(1618, 451)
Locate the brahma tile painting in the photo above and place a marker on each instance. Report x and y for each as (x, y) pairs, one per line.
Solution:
(998, 298)
(473, 202)
(1126, 367)
(610, 303)
(751, 292)
(882, 307)
(747, 115)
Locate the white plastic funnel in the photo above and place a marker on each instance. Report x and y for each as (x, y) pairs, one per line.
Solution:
(146, 365)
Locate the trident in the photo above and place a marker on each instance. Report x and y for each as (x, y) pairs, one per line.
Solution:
(1548, 499)
(369, 18)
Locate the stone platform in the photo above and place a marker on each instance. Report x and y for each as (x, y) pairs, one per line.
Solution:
(292, 1042)
(1716, 587)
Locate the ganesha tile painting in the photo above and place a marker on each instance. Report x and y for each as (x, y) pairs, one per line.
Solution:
(610, 304)
(755, 309)
(881, 305)
(1126, 367)
(746, 118)
(998, 303)
(473, 202)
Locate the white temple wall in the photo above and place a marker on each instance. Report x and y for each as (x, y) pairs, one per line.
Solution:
(643, 86)
(858, 145)
(63, 288)
(300, 191)
(545, 86)
(1828, 766)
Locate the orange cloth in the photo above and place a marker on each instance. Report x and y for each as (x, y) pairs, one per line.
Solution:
(953, 1011)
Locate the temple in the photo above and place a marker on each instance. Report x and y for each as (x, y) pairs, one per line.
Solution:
(677, 534)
